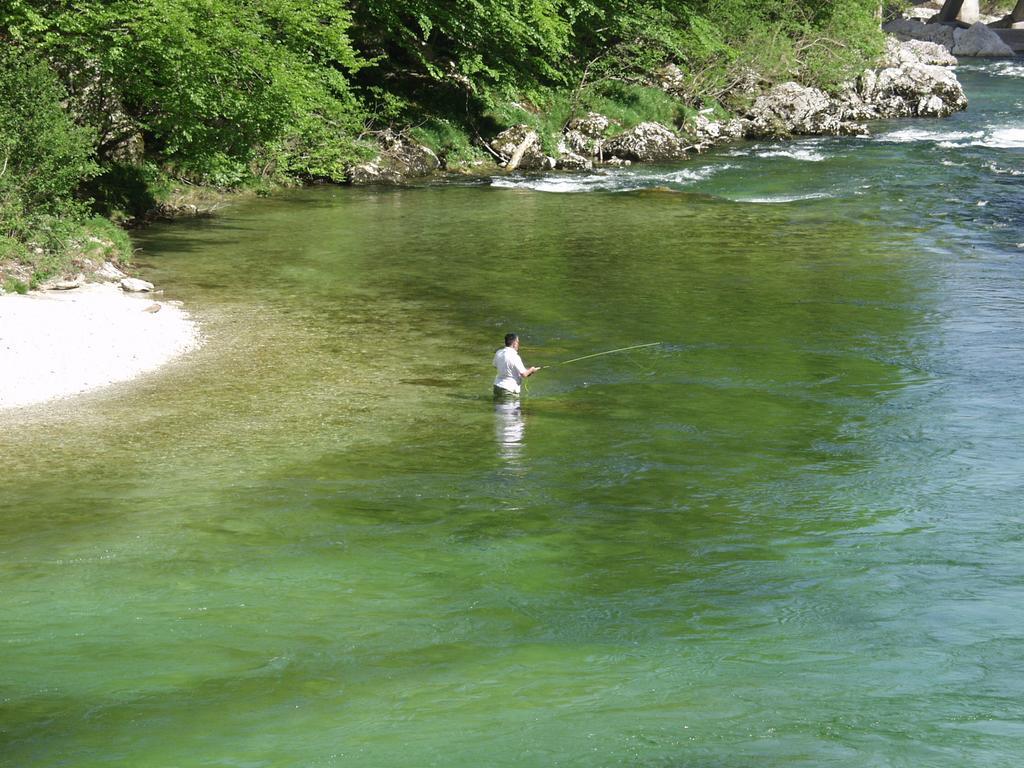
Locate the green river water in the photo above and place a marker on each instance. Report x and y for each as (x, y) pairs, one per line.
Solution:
(789, 535)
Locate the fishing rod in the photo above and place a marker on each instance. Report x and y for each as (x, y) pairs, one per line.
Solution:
(607, 352)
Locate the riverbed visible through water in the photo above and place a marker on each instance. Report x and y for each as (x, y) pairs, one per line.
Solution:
(788, 535)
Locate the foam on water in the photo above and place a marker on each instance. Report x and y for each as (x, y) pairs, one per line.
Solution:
(1005, 171)
(1008, 69)
(774, 199)
(794, 153)
(998, 138)
(590, 183)
(919, 134)
(612, 181)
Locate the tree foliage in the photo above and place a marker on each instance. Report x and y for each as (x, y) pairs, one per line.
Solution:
(207, 84)
(44, 156)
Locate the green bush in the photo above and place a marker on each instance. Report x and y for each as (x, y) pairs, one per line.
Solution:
(44, 156)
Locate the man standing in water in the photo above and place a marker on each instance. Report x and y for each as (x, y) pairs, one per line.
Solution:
(511, 370)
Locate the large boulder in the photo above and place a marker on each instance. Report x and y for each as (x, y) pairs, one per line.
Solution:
(908, 84)
(521, 148)
(646, 143)
(793, 109)
(916, 90)
(707, 132)
(400, 158)
(979, 40)
(900, 53)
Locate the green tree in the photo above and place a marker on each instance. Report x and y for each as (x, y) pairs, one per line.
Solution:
(208, 84)
(44, 156)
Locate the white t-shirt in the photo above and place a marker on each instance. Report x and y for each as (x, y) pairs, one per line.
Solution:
(510, 369)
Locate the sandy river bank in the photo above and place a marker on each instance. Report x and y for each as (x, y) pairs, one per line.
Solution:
(60, 343)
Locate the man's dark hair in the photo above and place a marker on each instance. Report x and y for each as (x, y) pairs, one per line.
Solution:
(510, 339)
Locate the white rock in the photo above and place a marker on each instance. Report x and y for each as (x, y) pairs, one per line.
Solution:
(592, 125)
(64, 285)
(647, 142)
(524, 142)
(109, 272)
(135, 285)
(899, 53)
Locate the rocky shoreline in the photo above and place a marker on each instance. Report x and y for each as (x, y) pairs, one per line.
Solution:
(913, 79)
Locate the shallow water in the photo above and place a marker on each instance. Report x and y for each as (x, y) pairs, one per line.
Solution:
(788, 535)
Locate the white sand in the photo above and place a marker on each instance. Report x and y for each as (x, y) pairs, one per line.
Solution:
(62, 343)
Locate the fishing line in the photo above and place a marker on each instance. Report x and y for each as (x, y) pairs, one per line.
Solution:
(607, 352)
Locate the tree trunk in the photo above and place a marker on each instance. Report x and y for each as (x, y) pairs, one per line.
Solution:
(950, 10)
(517, 156)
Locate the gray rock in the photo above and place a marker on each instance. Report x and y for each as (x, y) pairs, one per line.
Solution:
(580, 144)
(979, 40)
(373, 173)
(647, 142)
(791, 108)
(63, 284)
(592, 125)
(408, 157)
(135, 285)
(706, 130)
(900, 53)
(109, 272)
(520, 145)
(400, 158)
(917, 90)
(671, 79)
(735, 128)
(907, 85)
(909, 29)
(570, 161)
